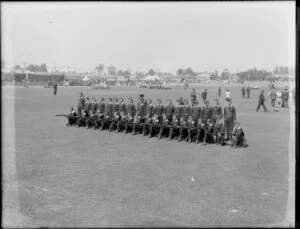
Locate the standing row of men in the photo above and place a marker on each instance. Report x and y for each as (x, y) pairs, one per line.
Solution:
(192, 123)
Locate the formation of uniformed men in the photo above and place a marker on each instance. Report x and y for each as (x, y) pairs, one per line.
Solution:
(180, 121)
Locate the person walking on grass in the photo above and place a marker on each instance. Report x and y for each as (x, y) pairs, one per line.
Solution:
(261, 101)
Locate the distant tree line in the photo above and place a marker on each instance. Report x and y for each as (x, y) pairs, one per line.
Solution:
(32, 67)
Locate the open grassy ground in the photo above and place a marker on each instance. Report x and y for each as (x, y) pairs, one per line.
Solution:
(55, 175)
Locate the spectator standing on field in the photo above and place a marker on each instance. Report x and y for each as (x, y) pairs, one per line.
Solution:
(285, 98)
(204, 95)
(261, 101)
(248, 92)
(55, 88)
(193, 97)
(243, 92)
(273, 97)
(219, 91)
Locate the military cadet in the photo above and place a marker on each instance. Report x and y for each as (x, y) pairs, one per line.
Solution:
(100, 113)
(243, 92)
(248, 92)
(216, 111)
(122, 112)
(229, 118)
(87, 105)
(204, 94)
(116, 114)
(193, 96)
(90, 121)
(81, 102)
(168, 117)
(195, 116)
(239, 139)
(219, 91)
(186, 112)
(108, 114)
(219, 135)
(209, 132)
(261, 101)
(81, 121)
(72, 117)
(149, 117)
(130, 114)
(157, 118)
(206, 115)
(94, 106)
(176, 118)
(140, 114)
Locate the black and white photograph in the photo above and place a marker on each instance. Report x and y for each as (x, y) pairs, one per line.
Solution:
(148, 114)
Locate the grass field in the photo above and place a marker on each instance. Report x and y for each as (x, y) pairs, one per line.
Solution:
(60, 176)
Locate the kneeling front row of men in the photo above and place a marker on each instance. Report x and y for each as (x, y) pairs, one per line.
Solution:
(193, 124)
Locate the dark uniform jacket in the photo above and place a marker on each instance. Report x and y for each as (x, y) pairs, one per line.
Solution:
(239, 132)
(101, 107)
(261, 98)
(248, 90)
(141, 108)
(169, 110)
(285, 95)
(219, 128)
(229, 112)
(186, 112)
(273, 95)
(81, 102)
(193, 96)
(94, 107)
(243, 90)
(109, 109)
(130, 109)
(216, 112)
(87, 106)
(177, 112)
(122, 108)
(159, 110)
(115, 108)
(196, 113)
(149, 110)
(206, 112)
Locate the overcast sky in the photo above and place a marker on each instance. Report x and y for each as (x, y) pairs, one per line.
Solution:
(140, 36)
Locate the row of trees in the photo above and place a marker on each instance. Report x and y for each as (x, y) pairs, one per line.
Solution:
(32, 67)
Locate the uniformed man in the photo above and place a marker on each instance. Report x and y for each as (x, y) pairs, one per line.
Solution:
(193, 97)
(168, 117)
(116, 114)
(186, 112)
(90, 121)
(219, 134)
(243, 92)
(248, 92)
(94, 106)
(176, 119)
(130, 114)
(54, 88)
(239, 139)
(108, 114)
(81, 102)
(100, 113)
(195, 118)
(206, 115)
(122, 112)
(157, 118)
(87, 105)
(72, 117)
(81, 121)
(261, 102)
(140, 115)
(229, 119)
(209, 132)
(149, 117)
(204, 94)
(216, 111)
